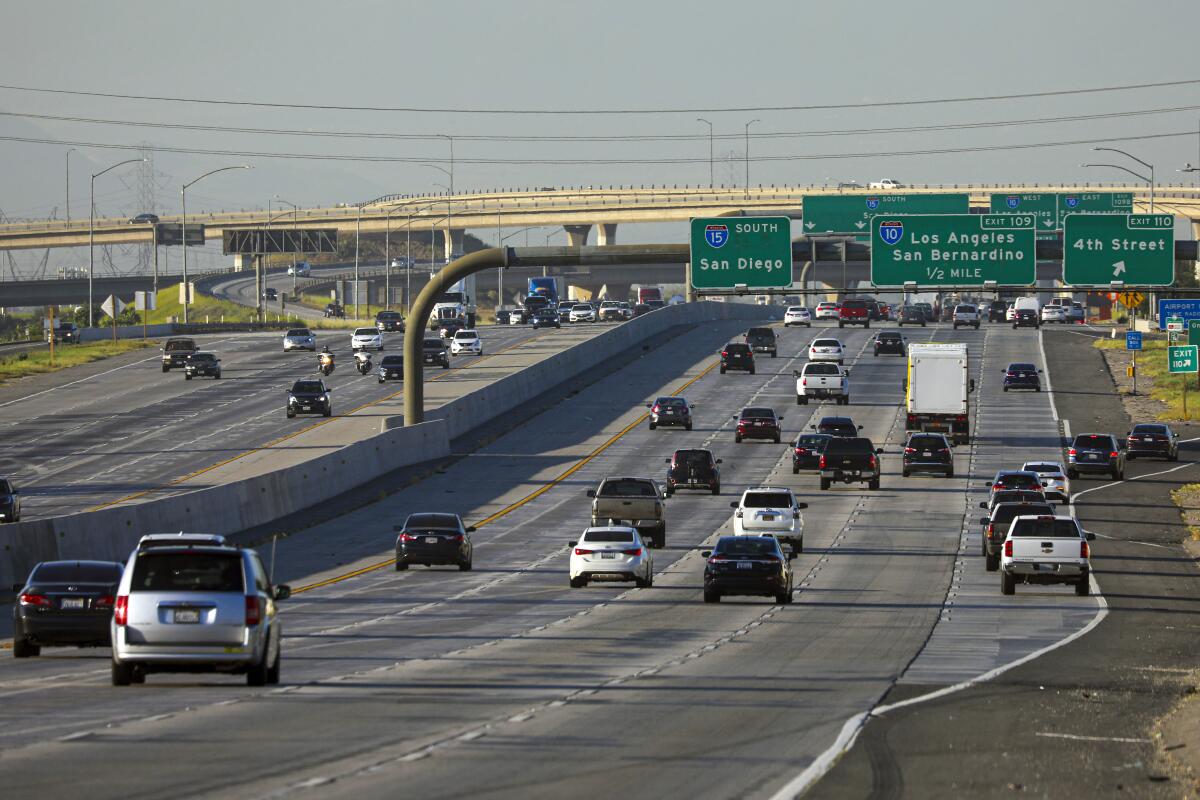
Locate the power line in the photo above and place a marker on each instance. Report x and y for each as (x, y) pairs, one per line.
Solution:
(596, 161)
(612, 138)
(600, 112)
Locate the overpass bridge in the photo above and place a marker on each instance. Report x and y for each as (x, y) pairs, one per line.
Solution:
(578, 211)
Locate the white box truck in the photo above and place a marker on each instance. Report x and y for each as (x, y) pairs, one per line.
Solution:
(937, 390)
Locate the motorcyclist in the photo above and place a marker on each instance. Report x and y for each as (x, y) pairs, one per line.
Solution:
(362, 362)
(325, 360)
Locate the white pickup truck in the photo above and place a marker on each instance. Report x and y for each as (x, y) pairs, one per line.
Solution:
(1046, 549)
(820, 379)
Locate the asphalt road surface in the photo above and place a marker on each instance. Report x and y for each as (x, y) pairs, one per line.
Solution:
(504, 682)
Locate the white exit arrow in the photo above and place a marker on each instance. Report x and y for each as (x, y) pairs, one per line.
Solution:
(1049, 223)
(810, 225)
(860, 225)
(1118, 268)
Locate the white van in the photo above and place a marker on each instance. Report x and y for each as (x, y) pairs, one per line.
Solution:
(1030, 303)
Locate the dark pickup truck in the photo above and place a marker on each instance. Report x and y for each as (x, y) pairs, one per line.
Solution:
(854, 312)
(850, 460)
(176, 352)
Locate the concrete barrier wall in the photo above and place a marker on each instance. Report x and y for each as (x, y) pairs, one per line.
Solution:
(110, 533)
(125, 332)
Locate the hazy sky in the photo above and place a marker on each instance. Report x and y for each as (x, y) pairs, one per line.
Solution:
(566, 55)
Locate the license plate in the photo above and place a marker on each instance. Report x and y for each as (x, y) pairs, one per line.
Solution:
(770, 517)
(431, 540)
(1147, 439)
(72, 602)
(745, 565)
(306, 407)
(927, 453)
(608, 555)
(1092, 457)
(186, 616)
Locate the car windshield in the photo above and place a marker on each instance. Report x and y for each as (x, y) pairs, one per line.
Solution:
(796, 309)
(1022, 368)
(747, 546)
(737, 348)
(392, 361)
(604, 537)
(1007, 512)
(692, 458)
(433, 344)
(671, 402)
(1160, 430)
(826, 343)
(201, 357)
(180, 344)
(854, 304)
(821, 369)
(1017, 479)
(964, 310)
(5, 486)
(466, 336)
(1046, 528)
(926, 442)
(76, 573)
(813, 441)
(366, 332)
(307, 387)
(1044, 469)
(582, 307)
(1019, 496)
(627, 488)
(187, 572)
(431, 522)
(1091, 441)
(758, 413)
(299, 332)
(767, 500)
(387, 315)
(888, 337)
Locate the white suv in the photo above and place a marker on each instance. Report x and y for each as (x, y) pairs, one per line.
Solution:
(196, 608)
(966, 314)
(466, 342)
(366, 337)
(770, 511)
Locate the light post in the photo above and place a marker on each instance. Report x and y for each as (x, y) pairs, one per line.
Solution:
(451, 170)
(449, 191)
(68, 171)
(187, 293)
(500, 270)
(92, 231)
(711, 181)
(295, 226)
(1150, 167)
(748, 124)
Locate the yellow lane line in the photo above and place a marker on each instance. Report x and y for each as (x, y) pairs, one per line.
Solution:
(527, 498)
(294, 434)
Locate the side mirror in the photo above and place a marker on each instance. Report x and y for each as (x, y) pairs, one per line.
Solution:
(281, 592)
(984, 520)
(471, 529)
(795, 373)
(18, 587)
(1045, 485)
(983, 504)
(971, 387)
(989, 483)
(591, 492)
(397, 528)
(571, 543)
(780, 419)
(1040, 370)
(814, 427)
(1091, 537)
(706, 553)
(720, 461)
(801, 505)
(791, 555)
(691, 405)
(648, 405)
(860, 427)
(878, 451)
(667, 460)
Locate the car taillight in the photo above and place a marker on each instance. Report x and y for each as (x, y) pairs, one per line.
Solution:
(104, 601)
(1008, 549)
(1010, 374)
(655, 409)
(1113, 454)
(821, 463)
(32, 599)
(871, 463)
(1084, 550)
(458, 537)
(910, 449)
(717, 559)
(804, 382)
(1071, 452)
(253, 612)
(991, 530)
(800, 451)
(633, 551)
(579, 551)
(407, 537)
(961, 417)
(724, 352)
(121, 614)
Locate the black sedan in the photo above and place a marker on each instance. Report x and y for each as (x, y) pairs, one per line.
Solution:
(434, 352)
(10, 501)
(202, 364)
(1152, 439)
(806, 453)
(546, 318)
(928, 452)
(889, 342)
(434, 538)
(65, 603)
(1022, 376)
(391, 368)
(837, 426)
(1025, 318)
(309, 396)
(747, 565)
(675, 411)
(693, 469)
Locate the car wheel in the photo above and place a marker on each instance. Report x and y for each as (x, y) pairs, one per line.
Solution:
(1083, 586)
(578, 583)
(257, 674)
(824, 484)
(976, 326)
(776, 438)
(1014, 326)
(722, 370)
(1006, 388)
(187, 377)
(23, 648)
(950, 472)
(652, 426)
(687, 426)
(874, 484)
(401, 565)
(1174, 456)
(752, 370)
(801, 400)
(841, 324)
(381, 380)
(1072, 474)
(712, 597)
(904, 473)
(1008, 584)
(1130, 457)
(291, 414)
(795, 470)
(773, 354)
(660, 538)
(122, 674)
(166, 368)
(464, 566)
(783, 598)
(217, 376)
(274, 670)
(328, 412)
(644, 583)
(991, 562)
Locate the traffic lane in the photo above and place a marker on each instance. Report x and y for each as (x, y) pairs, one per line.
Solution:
(1079, 720)
(165, 425)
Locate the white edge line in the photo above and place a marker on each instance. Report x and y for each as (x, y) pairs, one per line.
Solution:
(1046, 366)
(821, 764)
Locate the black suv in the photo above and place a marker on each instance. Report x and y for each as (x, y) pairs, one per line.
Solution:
(736, 355)
(66, 332)
(928, 452)
(1022, 376)
(309, 396)
(806, 453)
(670, 411)
(762, 340)
(10, 501)
(693, 469)
(996, 311)
(837, 426)
(758, 422)
(389, 321)
(911, 315)
(889, 342)
(434, 352)
(202, 364)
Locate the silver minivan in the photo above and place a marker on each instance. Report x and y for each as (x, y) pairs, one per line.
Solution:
(196, 609)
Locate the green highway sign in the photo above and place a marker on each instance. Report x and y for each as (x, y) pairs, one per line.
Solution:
(1182, 358)
(1193, 335)
(1093, 203)
(1051, 208)
(1042, 206)
(1135, 249)
(752, 251)
(851, 213)
(954, 250)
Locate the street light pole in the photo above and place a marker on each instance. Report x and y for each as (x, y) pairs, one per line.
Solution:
(748, 124)
(187, 293)
(711, 181)
(92, 233)
(295, 227)
(1138, 160)
(68, 197)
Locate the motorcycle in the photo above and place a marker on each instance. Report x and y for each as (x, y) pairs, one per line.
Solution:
(362, 362)
(325, 364)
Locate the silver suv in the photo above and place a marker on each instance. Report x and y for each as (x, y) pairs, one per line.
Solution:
(196, 608)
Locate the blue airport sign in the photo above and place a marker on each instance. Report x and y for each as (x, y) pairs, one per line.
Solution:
(1133, 340)
(1187, 310)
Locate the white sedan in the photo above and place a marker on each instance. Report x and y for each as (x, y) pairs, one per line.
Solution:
(827, 310)
(826, 350)
(770, 511)
(611, 553)
(1054, 314)
(1054, 476)
(466, 343)
(797, 315)
(582, 313)
(365, 338)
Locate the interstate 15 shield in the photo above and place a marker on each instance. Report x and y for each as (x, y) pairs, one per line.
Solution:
(716, 235)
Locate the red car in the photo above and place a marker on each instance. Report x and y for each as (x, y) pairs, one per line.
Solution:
(758, 423)
(854, 312)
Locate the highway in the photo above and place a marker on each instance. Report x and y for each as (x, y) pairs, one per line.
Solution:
(403, 679)
(80, 438)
